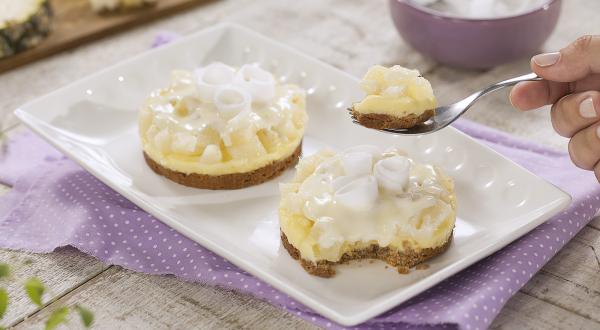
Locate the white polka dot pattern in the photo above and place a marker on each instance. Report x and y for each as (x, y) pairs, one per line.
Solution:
(55, 203)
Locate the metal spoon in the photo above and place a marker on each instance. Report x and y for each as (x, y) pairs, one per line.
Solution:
(447, 114)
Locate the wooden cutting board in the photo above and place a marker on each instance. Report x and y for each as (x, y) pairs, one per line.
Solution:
(75, 23)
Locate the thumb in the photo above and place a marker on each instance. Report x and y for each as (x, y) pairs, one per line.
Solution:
(572, 63)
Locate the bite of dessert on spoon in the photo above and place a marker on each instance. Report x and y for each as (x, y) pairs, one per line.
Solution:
(396, 98)
(401, 101)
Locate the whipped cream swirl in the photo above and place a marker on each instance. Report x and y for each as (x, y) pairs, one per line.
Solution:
(233, 92)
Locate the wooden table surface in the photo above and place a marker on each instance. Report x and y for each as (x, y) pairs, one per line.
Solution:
(351, 35)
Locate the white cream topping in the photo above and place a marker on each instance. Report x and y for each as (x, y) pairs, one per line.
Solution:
(359, 193)
(357, 163)
(392, 173)
(212, 77)
(257, 81)
(364, 194)
(231, 100)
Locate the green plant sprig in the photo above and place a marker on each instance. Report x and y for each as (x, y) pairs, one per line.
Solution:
(35, 289)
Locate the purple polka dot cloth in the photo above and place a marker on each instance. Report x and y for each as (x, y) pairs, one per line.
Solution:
(56, 203)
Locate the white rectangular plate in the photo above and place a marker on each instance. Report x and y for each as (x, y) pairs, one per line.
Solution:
(94, 122)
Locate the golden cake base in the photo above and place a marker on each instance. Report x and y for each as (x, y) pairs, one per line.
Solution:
(227, 181)
(405, 259)
(384, 121)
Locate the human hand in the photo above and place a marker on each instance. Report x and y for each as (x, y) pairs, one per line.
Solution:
(572, 86)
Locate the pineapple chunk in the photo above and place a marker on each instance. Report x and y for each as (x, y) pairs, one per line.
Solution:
(246, 145)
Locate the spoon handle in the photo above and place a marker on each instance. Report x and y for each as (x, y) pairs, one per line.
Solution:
(510, 82)
(515, 80)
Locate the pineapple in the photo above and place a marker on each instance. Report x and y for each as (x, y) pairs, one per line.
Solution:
(23, 24)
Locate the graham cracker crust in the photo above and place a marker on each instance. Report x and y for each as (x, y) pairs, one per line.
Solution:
(400, 259)
(227, 181)
(384, 121)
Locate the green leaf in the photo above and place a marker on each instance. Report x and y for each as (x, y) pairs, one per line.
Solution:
(1, 327)
(87, 317)
(57, 317)
(3, 302)
(4, 270)
(35, 290)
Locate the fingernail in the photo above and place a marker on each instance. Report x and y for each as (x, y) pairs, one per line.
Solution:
(586, 108)
(547, 59)
(598, 131)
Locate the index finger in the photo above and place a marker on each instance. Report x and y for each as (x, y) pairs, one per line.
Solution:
(576, 61)
(534, 94)
(530, 95)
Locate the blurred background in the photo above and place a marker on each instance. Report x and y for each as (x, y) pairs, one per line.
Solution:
(351, 35)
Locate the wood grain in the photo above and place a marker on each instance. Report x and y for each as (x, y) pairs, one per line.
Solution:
(128, 300)
(561, 296)
(570, 280)
(524, 312)
(75, 24)
(61, 272)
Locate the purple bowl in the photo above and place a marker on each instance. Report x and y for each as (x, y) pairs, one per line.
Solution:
(474, 43)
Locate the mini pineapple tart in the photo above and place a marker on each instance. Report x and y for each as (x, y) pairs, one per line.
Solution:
(220, 127)
(396, 98)
(364, 203)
